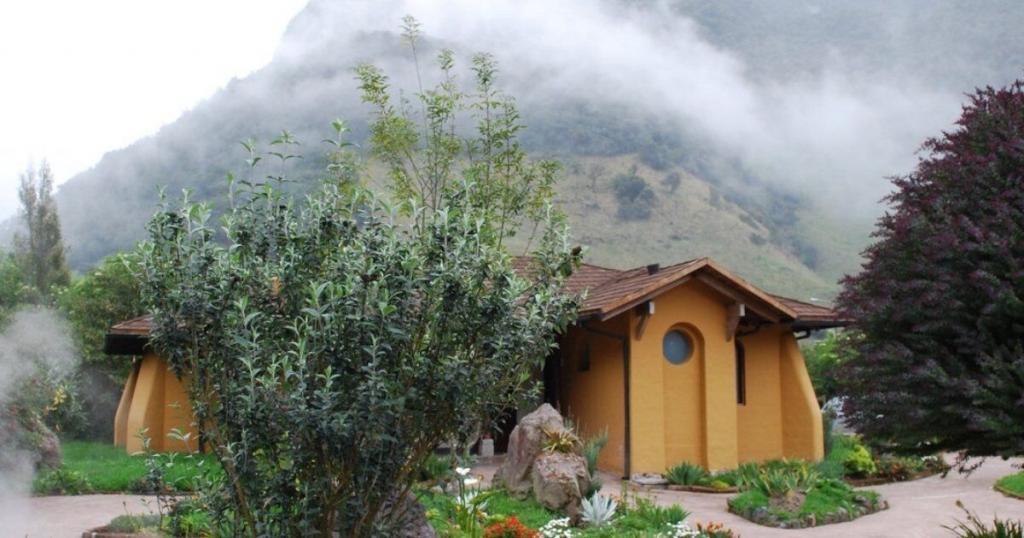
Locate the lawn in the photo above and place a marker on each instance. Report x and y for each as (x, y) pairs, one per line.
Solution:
(91, 467)
(1012, 485)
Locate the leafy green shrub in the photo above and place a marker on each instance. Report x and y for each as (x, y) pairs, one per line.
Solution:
(334, 340)
(975, 528)
(719, 484)
(647, 516)
(897, 468)
(61, 481)
(727, 477)
(687, 474)
(131, 523)
(435, 468)
(858, 462)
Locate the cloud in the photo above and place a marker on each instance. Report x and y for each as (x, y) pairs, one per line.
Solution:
(839, 133)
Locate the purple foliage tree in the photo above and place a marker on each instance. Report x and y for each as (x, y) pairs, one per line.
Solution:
(940, 299)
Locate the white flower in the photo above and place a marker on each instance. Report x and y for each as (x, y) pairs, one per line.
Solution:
(557, 528)
(462, 471)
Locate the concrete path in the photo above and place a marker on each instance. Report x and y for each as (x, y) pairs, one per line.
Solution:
(918, 509)
(66, 517)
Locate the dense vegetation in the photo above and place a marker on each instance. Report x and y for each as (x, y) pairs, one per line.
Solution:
(940, 357)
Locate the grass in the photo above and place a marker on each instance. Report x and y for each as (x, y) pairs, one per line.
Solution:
(108, 469)
(1012, 484)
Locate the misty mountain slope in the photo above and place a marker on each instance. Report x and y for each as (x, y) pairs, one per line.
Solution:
(782, 119)
(689, 222)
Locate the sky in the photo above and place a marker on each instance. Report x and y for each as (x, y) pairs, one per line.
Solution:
(83, 78)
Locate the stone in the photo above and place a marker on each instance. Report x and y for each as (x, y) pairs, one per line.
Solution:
(559, 482)
(524, 445)
(405, 518)
(648, 479)
(487, 448)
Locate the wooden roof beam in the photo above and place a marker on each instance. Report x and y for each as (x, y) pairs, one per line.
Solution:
(738, 298)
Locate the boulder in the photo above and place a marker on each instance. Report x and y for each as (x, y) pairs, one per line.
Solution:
(559, 482)
(524, 445)
(404, 518)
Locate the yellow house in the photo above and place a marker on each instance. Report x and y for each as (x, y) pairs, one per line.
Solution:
(680, 363)
(687, 363)
(154, 399)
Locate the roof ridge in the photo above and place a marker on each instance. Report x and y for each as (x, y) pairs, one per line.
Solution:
(777, 296)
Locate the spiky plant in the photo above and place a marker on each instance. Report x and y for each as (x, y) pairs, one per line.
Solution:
(599, 510)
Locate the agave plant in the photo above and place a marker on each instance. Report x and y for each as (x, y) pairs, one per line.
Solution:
(599, 510)
(560, 440)
(687, 474)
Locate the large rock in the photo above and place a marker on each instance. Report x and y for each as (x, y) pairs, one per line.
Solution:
(524, 445)
(559, 482)
(405, 518)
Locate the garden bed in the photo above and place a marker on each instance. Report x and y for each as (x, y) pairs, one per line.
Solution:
(881, 480)
(699, 489)
(828, 501)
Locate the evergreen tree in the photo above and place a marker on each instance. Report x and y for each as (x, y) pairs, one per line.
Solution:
(40, 250)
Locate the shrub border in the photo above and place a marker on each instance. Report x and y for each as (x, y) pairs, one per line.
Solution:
(878, 481)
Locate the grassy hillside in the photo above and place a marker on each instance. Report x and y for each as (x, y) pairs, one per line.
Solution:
(691, 221)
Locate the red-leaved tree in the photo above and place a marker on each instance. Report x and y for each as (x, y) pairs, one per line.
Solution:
(939, 300)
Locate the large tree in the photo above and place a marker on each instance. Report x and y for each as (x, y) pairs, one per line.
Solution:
(940, 299)
(332, 341)
(40, 248)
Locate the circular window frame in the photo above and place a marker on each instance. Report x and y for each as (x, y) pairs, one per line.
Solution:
(688, 339)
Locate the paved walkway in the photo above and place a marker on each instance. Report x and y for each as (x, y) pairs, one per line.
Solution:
(66, 517)
(918, 509)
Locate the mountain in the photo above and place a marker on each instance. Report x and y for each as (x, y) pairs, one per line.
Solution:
(757, 133)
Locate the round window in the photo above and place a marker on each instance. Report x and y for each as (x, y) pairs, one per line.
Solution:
(677, 347)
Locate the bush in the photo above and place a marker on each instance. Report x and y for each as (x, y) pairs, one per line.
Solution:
(647, 516)
(61, 481)
(858, 462)
(897, 468)
(130, 523)
(435, 468)
(687, 474)
(634, 196)
(333, 341)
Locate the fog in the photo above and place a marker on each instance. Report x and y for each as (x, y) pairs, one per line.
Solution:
(35, 339)
(790, 110)
(838, 132)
